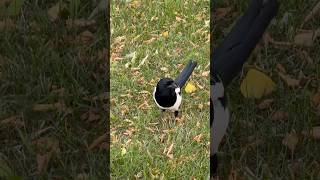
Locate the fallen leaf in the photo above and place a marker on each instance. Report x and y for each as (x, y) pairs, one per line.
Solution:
(289, 81)
(98, 141)
(13, 121)
(316, 99)
(169, 153)
(281, 68)
(291, 140)
(190, 88)
(42, 162)
(256, 84)
(265, 104)
(268, 39)
(315, 11)
(149, 41)
(205, 73)
(280, 116)
(79, 23)
(313, 133)
(306, 38)
(198, 138)
(47, 147)
(48, 107)
(86, 37)
(165, 34)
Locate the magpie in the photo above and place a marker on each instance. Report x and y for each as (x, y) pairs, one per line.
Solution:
(167, 93)
(227, 61)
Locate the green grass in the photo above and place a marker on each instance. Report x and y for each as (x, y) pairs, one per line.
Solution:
(270, 159)
(36, 58)
(132, 106)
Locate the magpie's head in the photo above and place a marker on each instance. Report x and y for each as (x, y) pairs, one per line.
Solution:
(167, 87)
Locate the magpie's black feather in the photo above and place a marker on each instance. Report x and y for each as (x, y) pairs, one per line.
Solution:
(185, 74)
(227, 59)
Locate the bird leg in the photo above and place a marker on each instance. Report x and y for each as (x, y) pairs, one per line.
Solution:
(176, 113)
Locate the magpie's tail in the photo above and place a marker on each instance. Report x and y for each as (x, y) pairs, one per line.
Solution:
(186, 73)
(238, 45)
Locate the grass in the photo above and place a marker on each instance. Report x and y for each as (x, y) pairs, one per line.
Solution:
(40, 63)
(142, 53)
(254, 141)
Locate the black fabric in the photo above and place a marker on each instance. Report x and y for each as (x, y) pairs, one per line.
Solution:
(229, 57)
(186, 73)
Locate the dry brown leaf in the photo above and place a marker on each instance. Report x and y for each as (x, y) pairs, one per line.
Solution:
(313, 133)
(268, 39)
(281, 68)
(150, 40)
(198, 138)
(47, 147)
(306, 38)
(180, 120)
(316, 99)
(205, 73)
(265, 104)
(42, 162)
(169, 153)
(13, 121)
(144, 106)
(129, 131)
(150, 129)
(291, 140)
(315, 11)
(98, 141)
(48, 107)
(86, 37)
(289, 81)
(280, 116)
(79, 23)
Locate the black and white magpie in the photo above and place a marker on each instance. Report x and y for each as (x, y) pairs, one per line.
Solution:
(227, 62)
(167, 93)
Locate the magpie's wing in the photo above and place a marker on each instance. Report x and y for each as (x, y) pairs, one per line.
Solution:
(238, 45)
(186, 73)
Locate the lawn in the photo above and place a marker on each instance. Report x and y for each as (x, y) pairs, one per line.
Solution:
(254, 146)
(52, 82)
(151, 40)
